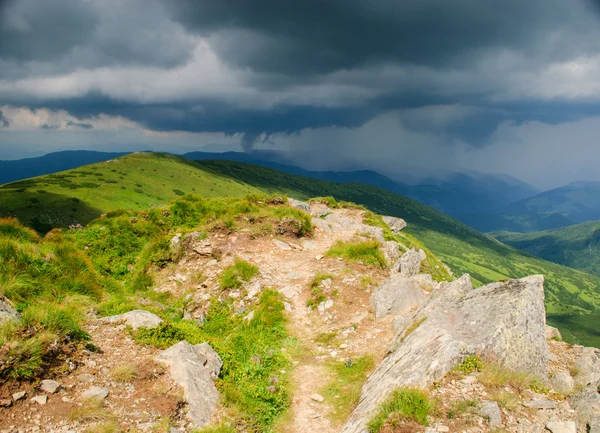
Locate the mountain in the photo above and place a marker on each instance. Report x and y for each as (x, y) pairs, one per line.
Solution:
(141, 180)
(13, 170)
(571, 204)
(452, 193)
(576, 246)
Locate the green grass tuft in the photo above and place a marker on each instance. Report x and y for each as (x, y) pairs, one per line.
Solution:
(367, 252)
(408, 404)
(237, 274)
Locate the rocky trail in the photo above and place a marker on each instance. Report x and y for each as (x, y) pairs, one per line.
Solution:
(414, 330)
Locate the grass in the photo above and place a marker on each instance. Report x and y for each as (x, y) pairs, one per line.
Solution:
(505, 399)
(124, 372)
(91, 410)
(344, 390)
(462, 407)
(404, 404)
(366, 252)
(234, 276)
(497, 376)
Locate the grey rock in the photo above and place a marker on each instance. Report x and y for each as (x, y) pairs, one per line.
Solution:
(289, 291)
(594, 424)
(176, 246)
(395, 224)
(504, 321)
(391, 251)
(322, 225)
(19, 395)
(7, 311)
(491, 411)
(301, 205)
(95, 392)
(281, 245)
(397, 295)
(6, 402)
(587, 404)
(588, 367)
(49, 386)
(561, 426)
(410, 262)
(193, 368)
(40, 399)
(317, 397)
(540, 404)
(562, 381)
(136, 319)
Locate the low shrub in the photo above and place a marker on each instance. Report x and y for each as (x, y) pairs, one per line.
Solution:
(406, 404)
(367, 252)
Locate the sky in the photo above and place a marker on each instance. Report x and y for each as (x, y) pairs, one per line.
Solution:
(423, 85)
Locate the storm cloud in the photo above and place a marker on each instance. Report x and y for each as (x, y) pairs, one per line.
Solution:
(273, 73)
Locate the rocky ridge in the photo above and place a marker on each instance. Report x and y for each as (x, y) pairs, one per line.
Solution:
(416, 330)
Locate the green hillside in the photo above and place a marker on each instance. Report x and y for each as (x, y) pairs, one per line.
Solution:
(571, 296)
(576, 246)
(135, 181)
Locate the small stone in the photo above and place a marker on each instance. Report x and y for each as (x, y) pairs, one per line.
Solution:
(443, 428)
(287, 306)
(249, 316)
(317, 397)
(6, 402)
(40, 399)
(562, 427)
(85, 377)
(469, 380)
(491, 411)
(343, 346)
(49, 386)
(66, 399)
(319, 257)
(19, 395)
(95, 392)
(540, 404)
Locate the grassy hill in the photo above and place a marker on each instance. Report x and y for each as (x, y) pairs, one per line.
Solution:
(139, 181)
(576, 246)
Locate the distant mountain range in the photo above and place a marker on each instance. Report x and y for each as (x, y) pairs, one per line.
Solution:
(571, 204)
(452, 193)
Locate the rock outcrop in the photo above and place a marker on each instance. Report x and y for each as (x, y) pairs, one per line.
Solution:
(397, 295)
(410, 262)
(136, 319)
(193, 367)
(395, 224)
(7, 311)
(502, 321)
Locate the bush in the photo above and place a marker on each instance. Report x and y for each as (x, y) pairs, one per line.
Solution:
(470, 364)
(409, 404)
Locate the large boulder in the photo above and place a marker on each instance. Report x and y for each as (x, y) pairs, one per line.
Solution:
(395, 224)
(397, 295)
(410, 262)
(300, 205)
(501, 321)
(136, 319)
(193, 367)
(7, 311)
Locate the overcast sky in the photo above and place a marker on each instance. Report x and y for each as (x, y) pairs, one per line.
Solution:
(507, 86)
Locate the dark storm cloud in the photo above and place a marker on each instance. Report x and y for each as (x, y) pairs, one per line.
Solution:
(315, 37)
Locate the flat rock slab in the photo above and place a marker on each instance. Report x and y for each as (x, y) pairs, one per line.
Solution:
(49, 386)
(136, 319)
(562, 427)
(491, 411)
(95, 392)
(193, 367)
(7, 311)
(395, 224)
(282, 245)
(40, 399)
(540, 404)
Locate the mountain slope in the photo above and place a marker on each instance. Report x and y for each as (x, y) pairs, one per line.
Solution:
(568, 292)
(576, 246)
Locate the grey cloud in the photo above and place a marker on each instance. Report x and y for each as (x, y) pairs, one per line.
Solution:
(319, 37)
(80, 125)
